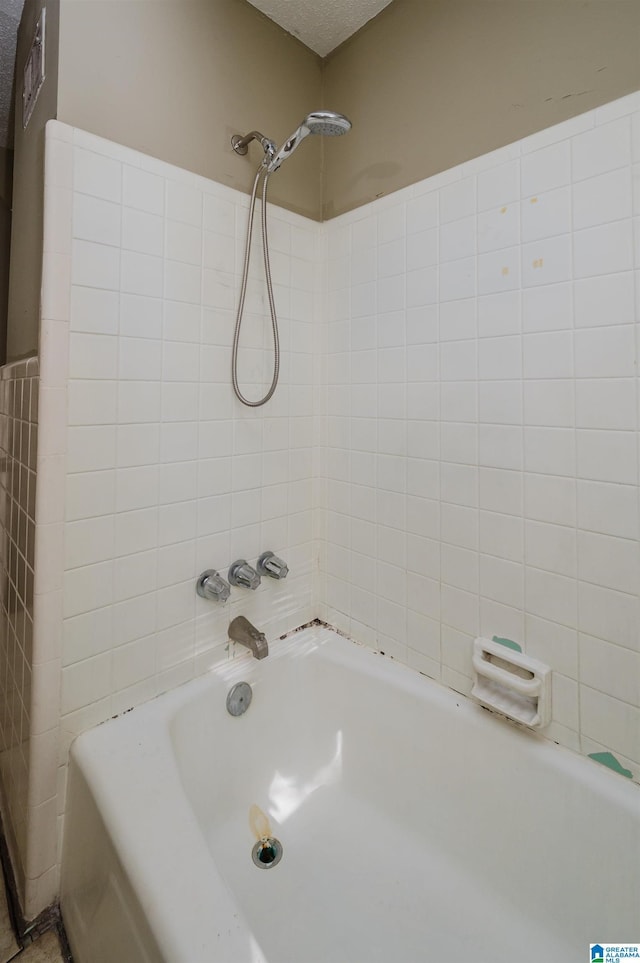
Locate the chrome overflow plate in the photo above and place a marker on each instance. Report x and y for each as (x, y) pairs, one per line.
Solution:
(239, 699)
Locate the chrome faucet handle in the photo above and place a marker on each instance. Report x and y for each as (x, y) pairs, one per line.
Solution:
(212, 586)
(241, 573)
(269, 564)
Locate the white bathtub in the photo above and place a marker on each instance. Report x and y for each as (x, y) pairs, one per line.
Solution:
(415, 825)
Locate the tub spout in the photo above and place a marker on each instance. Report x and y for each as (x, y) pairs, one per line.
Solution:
(241, 630)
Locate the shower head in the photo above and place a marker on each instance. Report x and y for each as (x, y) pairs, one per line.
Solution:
(326, 122)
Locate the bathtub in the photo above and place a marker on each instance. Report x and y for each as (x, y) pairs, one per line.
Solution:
(414, 825)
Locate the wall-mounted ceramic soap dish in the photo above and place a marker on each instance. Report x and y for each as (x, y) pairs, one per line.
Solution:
(512, 683)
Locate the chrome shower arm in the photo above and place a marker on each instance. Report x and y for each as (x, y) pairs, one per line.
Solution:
(241, 144)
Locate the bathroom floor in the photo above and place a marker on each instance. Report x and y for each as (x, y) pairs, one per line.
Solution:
(44, 948)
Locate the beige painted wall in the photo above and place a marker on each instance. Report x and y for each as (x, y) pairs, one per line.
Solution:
(6, 170)
(431, 83)
(28, 187)
(176, 78)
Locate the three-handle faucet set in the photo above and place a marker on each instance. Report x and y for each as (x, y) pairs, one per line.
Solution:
(211, 585)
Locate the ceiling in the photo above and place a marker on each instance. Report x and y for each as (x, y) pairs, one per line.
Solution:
(10, 13)
(321, 25)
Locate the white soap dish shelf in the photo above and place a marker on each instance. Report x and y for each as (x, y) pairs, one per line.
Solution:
(512, 683)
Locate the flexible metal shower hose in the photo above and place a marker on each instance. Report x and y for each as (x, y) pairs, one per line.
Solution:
(243, 290)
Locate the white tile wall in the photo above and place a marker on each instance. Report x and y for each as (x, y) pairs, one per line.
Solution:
(165, 470)
(20, 716)
(503, 497)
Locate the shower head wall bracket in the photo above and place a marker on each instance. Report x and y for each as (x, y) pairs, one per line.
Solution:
(241, 144)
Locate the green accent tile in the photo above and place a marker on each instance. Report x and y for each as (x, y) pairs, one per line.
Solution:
(609, 760)
(510, 644)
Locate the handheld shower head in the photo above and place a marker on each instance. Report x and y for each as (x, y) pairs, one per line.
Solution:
(326, 122)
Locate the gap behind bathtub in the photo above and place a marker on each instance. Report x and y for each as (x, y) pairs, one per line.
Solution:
(41, 941)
